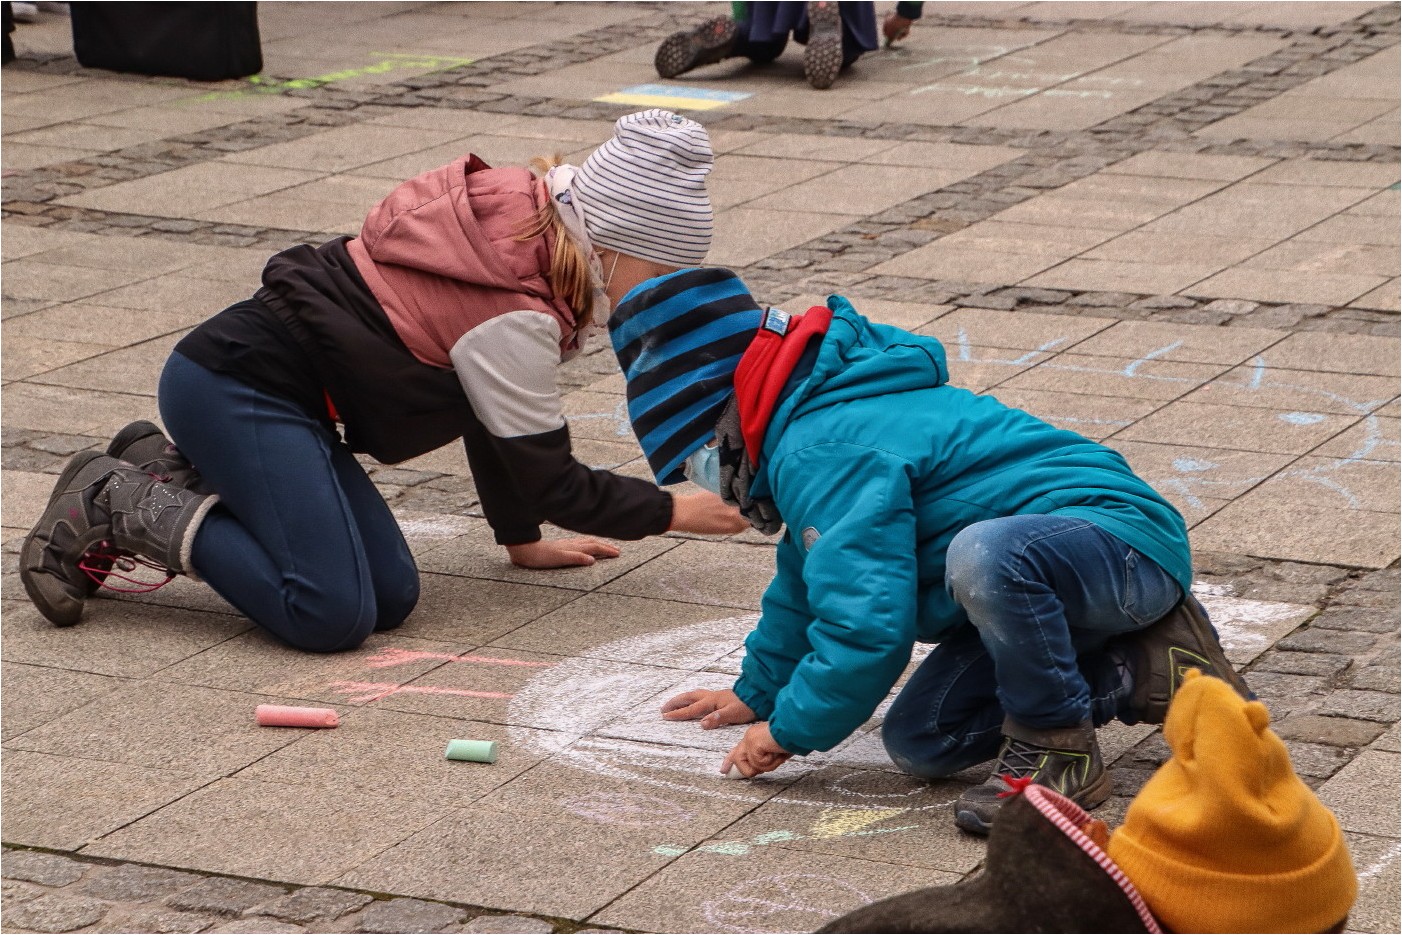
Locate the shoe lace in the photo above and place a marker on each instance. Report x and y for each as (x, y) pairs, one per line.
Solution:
(105, 561)
(1018, 765)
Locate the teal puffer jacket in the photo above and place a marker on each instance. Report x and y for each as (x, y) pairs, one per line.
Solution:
(875, 465)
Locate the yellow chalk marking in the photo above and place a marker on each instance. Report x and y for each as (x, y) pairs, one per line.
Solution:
(836, 822)
(658, 100)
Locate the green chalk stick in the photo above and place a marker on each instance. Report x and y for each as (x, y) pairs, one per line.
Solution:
(477, 751)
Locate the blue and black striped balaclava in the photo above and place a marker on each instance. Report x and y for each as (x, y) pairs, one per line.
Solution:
(679, 339)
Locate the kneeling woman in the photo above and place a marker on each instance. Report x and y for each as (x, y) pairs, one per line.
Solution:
(446, 318)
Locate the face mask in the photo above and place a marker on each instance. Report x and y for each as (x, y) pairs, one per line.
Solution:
(703, 468)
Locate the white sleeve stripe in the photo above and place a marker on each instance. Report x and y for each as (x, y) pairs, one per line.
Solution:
(507, 368)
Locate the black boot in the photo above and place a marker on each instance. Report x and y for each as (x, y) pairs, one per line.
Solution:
(105, 506)
(1161, 653)
(707, 44)
(1064, 759)
(1045, 872)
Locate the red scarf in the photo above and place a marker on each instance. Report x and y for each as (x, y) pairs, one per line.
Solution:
(765, 369)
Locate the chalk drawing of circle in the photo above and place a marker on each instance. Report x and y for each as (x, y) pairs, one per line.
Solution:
(631, 810)
(579, 697)
(782, 903)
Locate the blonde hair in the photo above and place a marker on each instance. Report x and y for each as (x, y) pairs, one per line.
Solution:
(569, 274)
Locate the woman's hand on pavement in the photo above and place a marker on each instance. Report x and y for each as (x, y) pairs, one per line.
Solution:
(705, 514)
(714, 708)
(560, 553)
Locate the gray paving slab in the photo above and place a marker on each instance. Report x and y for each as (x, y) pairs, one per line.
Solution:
(34, 695)
(701, 572)
(40, 790)
(269, 831)
(550, 864)
(771, 889)
(201, 731)
(1017, 179)
(257, 662)
(1248, 428)
(398, 756)
(116, 638)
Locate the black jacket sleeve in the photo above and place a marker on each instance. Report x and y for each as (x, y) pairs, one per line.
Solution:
(570, 495)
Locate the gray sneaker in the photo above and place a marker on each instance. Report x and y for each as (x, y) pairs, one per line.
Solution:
(72, 523)
(1064, 759)
(1161, 653)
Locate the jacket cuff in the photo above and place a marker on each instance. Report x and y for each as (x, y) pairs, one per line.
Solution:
(517, 535)
(910, 10)
(756, 700)
(782, 738)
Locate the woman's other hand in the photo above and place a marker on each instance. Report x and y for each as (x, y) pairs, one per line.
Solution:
(560, 553)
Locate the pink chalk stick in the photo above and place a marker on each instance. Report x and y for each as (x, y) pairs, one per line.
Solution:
(278, 715)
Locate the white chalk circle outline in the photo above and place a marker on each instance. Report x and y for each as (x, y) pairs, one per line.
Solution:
(572, 693)
(577, 696)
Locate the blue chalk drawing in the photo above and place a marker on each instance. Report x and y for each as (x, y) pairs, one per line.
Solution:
(1302, 418)
(1194, 479)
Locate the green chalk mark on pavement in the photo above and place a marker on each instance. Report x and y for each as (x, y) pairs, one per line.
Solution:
(393, 61)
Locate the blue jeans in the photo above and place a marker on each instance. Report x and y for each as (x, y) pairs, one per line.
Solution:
(301, 541)
(1043, 595)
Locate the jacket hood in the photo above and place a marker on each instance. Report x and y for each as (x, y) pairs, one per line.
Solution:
(859, 358)
(462, 222)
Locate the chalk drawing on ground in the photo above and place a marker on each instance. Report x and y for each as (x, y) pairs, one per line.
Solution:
(256, 85)
(790, 902)
(580, 697)
(1195, 479)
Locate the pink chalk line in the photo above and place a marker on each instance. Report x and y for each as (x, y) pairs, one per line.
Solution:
(362, 692)
(392, 656)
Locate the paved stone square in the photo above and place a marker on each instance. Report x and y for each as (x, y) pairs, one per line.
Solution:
(1172, 227)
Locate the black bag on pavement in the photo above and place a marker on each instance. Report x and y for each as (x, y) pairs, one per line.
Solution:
(204, 41)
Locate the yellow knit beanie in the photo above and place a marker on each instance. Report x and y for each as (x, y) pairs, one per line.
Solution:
(1224, 837)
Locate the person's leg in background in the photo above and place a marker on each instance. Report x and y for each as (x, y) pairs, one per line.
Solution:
(7, 21)
(301, 542)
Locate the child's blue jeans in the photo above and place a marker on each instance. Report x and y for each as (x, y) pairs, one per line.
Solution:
(301, 542)
(1043, 595)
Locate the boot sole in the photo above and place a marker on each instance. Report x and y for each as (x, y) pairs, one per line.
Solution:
(822, 59)
(59, 617)
(680, 52)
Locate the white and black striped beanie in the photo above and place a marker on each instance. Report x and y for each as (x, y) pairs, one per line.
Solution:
(644, 190)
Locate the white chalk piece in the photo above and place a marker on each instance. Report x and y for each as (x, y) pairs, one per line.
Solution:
(734, 773)
(476, 751)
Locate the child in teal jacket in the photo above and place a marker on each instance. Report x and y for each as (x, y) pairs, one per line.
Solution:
(1053, 579)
